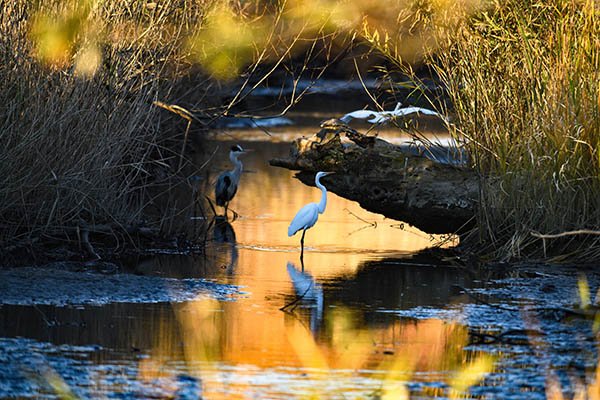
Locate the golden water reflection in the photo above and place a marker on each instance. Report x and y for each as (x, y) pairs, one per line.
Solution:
(313, 323)
(330, 336)
(212, 336)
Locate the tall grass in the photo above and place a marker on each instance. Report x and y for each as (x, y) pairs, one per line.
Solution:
(80, 138)
(524, 79)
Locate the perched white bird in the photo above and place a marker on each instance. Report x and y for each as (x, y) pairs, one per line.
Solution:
(378, 117)
(227, 182)
(309, 214)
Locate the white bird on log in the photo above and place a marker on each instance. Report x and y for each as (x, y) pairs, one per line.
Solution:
(227, 183)
(378, 117)
(308, 215)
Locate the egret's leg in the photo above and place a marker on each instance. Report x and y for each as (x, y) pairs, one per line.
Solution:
(302, 248)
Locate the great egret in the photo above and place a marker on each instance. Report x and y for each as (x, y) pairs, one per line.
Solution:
(378, 117)
(227, 182)
(308, 215)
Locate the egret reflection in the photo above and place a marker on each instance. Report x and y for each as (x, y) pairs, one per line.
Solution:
(308, 292)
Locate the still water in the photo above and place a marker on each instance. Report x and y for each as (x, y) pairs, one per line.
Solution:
(331, 328)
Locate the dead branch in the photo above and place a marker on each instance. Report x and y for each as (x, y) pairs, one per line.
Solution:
(563, 234)
(295, 302)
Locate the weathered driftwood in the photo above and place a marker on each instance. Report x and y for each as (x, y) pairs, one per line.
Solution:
(384, 178)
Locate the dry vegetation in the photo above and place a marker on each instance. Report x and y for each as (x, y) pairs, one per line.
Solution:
(524, 79)
(91, 125)
(81, 139)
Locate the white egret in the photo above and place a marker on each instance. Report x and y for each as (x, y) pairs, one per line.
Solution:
(227, 182)
(308, 215)
(378, 117)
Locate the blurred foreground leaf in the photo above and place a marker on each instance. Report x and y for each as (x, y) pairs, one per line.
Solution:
(55, 34)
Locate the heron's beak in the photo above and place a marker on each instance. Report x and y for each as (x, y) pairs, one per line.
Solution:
(329, 173)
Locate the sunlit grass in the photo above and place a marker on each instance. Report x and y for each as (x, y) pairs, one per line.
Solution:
(81, 138)
(523, 78)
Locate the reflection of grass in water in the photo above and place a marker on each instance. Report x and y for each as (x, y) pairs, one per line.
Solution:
(392, 354)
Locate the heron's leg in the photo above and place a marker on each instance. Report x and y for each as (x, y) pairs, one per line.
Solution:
(226, 205)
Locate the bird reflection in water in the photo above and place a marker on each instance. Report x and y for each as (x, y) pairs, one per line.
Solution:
(224, 235)
(308, 292)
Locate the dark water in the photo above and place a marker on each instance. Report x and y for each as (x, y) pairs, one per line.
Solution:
(378, 315)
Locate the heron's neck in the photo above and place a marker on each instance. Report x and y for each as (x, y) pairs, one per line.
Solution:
(323, 202)
(238, 164)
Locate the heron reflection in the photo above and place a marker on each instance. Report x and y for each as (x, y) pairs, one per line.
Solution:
(308, 292)
(224, 235)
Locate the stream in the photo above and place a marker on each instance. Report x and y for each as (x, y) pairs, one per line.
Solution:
(371, 313)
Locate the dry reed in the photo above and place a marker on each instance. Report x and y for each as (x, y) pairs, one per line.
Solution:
(82, 141)
(524, 79)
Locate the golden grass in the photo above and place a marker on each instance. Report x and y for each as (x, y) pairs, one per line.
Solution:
(524, 79)
(81, 139)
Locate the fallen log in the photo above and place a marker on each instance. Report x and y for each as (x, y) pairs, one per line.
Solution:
(386, 179)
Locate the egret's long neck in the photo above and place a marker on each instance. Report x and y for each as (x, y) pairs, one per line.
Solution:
(323, 202)
(238, 164)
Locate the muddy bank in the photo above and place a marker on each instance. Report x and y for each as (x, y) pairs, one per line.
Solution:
(53, 285)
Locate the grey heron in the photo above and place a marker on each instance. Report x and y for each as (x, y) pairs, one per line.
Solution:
(228, 181)
(308, 215)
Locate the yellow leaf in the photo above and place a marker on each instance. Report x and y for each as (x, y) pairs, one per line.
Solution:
(584, 291)
(471, 374)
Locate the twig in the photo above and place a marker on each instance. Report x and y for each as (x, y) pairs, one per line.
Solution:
(480, 300)
(210, 203)
(568, 311)
(183, 113)
(185, 138)
(365, 86)
(562, 234)
(373, 224)
(85, 239)
(502, 337)
(298, 298)
(46, 320)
